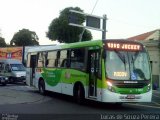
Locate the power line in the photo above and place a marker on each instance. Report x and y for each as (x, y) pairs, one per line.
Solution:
(81, 35)
(94, 6)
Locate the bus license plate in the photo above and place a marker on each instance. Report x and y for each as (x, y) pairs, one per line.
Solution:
(130, 97)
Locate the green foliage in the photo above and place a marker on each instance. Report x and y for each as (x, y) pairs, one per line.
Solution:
(24, 38)
(61, 31)
(2, 42)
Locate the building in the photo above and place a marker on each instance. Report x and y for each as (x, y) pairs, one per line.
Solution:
(152, 42)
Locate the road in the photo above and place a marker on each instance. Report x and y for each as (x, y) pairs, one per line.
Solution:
(28, 103)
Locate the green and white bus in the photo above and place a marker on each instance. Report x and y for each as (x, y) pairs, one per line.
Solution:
(106, 71)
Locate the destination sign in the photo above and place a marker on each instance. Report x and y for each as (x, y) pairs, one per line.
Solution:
(120, 74)
(123, 46)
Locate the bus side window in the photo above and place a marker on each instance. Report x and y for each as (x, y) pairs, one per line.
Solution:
(45, 61)
(51, 59)
(40, 60)
(78, 58)
(57, 61)
(63, 58)
(42, 57)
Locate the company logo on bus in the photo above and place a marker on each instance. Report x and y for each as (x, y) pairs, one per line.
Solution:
(123, 46)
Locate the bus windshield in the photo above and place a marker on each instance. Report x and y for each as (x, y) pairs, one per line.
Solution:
(17, 67)
(127, 65)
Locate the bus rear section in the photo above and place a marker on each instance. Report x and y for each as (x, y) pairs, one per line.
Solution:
(127, 74)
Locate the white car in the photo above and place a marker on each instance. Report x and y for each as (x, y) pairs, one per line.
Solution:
(3, 80)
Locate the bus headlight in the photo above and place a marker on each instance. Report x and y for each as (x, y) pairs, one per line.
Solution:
(109, 83)
(148, 87)
(110, 86)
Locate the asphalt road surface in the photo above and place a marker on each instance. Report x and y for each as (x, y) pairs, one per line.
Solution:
(29, 104)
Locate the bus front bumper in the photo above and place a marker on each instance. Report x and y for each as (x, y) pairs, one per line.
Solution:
(108, 96)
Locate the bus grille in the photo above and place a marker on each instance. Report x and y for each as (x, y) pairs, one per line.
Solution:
(138, 85)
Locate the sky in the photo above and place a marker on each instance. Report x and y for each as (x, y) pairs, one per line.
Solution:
(126, 18)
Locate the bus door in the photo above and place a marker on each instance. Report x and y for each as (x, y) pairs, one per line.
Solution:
(93, 66)
(33, 62)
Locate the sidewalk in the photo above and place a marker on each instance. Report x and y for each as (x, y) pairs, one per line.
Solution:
(20, 95)
(156, 93)
(158, 90)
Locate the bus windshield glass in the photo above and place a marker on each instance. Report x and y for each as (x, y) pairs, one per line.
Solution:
(17, 67)
(127, 65)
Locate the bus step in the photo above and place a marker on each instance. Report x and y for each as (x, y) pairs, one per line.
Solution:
(92, 97)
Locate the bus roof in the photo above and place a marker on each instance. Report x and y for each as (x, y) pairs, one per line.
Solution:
(67, 45)
(78, 45)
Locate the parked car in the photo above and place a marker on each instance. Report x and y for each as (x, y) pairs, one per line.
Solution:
(13, 70)
(3, 80)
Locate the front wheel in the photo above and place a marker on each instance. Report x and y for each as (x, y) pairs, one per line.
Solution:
(41, 87)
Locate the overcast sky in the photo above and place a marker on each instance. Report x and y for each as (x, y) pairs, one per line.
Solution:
(126, 18)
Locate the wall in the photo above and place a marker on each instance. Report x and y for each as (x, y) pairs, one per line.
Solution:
(154, 53)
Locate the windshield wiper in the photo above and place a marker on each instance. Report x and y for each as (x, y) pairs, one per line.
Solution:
(122, 58)
(136, 55)
(140, 73)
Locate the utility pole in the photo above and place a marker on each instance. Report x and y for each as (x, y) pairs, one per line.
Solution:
(104, 27)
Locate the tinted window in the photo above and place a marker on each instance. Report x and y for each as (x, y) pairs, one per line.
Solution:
(77, 58)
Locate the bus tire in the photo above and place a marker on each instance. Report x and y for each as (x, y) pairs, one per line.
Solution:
(79, 94)
(41, 87)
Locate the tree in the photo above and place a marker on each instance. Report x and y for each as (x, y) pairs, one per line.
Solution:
(2, 42)
(24, 37)
(61, 31)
